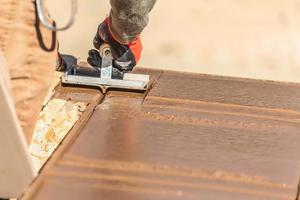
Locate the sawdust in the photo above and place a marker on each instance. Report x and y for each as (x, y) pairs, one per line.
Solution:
(55, 121)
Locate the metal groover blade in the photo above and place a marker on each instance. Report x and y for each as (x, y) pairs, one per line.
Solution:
(104, 79)
(106, 67)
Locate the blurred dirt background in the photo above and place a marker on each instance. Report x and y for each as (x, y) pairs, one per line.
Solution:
(244, 38)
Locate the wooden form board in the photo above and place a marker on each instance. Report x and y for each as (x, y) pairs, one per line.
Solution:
(16, 169)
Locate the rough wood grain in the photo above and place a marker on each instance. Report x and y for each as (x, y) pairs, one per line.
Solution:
(16, 169)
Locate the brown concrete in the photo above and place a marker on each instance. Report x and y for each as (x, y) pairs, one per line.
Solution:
(91, 97)
(191, 137)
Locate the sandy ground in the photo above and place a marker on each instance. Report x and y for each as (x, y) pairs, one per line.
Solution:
(256, 39)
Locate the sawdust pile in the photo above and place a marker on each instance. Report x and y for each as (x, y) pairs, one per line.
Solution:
(55, 121)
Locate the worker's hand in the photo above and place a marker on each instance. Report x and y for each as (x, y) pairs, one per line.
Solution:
(125, 56)
(94, 58)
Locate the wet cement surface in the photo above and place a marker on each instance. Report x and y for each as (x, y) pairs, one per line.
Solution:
(190, 137)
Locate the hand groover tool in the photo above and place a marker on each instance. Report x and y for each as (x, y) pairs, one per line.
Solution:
(104, 77)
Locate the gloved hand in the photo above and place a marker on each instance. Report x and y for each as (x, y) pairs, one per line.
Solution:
(125, 56)
(61, 65)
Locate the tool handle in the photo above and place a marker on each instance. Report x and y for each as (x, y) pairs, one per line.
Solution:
(107, 60)
(105, 51)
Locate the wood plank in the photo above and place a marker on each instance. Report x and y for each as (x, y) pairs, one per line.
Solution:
(16, 169)
(191, 137)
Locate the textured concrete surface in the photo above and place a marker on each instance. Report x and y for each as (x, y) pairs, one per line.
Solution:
(190, 137)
